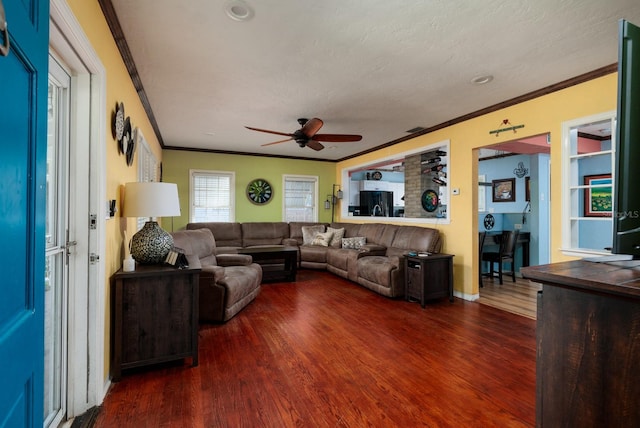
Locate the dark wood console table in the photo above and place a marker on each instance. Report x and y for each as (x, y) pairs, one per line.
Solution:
(588, 336)
(154, 315)
(428, 277)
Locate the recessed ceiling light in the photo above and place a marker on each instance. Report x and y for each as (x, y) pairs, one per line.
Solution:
(481, 80)
(238, 10)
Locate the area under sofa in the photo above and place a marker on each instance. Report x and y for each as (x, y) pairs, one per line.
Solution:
(376, 265)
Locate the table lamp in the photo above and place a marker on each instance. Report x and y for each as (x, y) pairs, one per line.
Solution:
(151, 244)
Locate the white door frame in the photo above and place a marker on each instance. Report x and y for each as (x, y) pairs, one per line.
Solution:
(86, 362)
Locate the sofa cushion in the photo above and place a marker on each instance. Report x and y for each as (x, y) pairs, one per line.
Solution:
(322, 239)
(226, 234)
(350, 229)
(239, 281)
(295, 230)
(216, 272)
(377, 269)
(377, 233)
(415, 238)
(313, 253)
(338, 234)
(354, 243)
(310, 232)
(264, 233)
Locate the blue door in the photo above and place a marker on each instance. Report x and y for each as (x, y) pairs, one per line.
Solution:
(23, 147)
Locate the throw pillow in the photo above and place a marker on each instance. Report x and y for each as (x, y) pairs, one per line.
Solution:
(354, 243)
(322, 239)
(338, 234)
(310, 232)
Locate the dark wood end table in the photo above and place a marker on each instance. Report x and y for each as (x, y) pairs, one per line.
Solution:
(154, 315)
(428, 277)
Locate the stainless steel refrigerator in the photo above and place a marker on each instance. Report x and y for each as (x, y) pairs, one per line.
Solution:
(376, 203)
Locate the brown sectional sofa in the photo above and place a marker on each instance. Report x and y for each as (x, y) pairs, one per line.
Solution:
(377, 265)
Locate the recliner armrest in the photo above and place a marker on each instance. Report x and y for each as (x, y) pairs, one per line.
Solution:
(372, 250)
(234, 259)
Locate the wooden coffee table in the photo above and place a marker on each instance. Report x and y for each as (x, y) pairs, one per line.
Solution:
(278, 261)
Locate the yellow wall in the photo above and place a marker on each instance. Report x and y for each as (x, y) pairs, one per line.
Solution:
(176, 165)
(540, 116)
(119, 89)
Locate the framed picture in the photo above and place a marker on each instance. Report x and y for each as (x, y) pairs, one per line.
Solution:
(527, 189)
(598, 201)
(504, 190)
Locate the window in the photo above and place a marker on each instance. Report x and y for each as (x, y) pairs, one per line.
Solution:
(300, 198)
(588, 181)
(211, 196)
(148, 170)
(147, 163)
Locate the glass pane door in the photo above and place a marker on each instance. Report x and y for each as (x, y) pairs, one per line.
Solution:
(56, 264)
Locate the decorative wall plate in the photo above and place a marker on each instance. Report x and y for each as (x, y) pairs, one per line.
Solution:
(429, 200)
(488, 222)
(131, 148)
(118, 122)
(377, 175)
(123, 144)
(259, 191)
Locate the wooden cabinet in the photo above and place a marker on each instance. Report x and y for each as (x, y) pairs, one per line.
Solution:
(154, 314)
(428, 277)
(588, 336)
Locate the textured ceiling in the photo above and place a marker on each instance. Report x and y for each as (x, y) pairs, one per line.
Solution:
(372, 67)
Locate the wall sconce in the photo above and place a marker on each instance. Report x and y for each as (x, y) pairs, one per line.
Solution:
(339, 193)
(335, 195)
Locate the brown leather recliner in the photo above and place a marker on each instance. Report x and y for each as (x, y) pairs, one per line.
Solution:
(228, 282)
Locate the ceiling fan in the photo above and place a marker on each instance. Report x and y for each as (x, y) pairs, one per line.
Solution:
(307, 137)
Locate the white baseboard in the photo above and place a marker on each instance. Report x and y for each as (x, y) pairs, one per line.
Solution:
(465, 296)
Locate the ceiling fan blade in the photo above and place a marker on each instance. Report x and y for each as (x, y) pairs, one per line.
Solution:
(276, 142)
(311, 127)
(314, 145)
(337, 138)
(269, 132)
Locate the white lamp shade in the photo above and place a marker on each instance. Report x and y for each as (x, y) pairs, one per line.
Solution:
(153, 199)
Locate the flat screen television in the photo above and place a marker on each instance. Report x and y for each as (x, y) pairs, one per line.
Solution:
(626, 207)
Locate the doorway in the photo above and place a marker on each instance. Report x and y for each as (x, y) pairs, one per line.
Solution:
(524, 164)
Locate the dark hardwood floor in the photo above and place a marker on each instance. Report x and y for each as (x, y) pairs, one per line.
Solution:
(324, 352)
